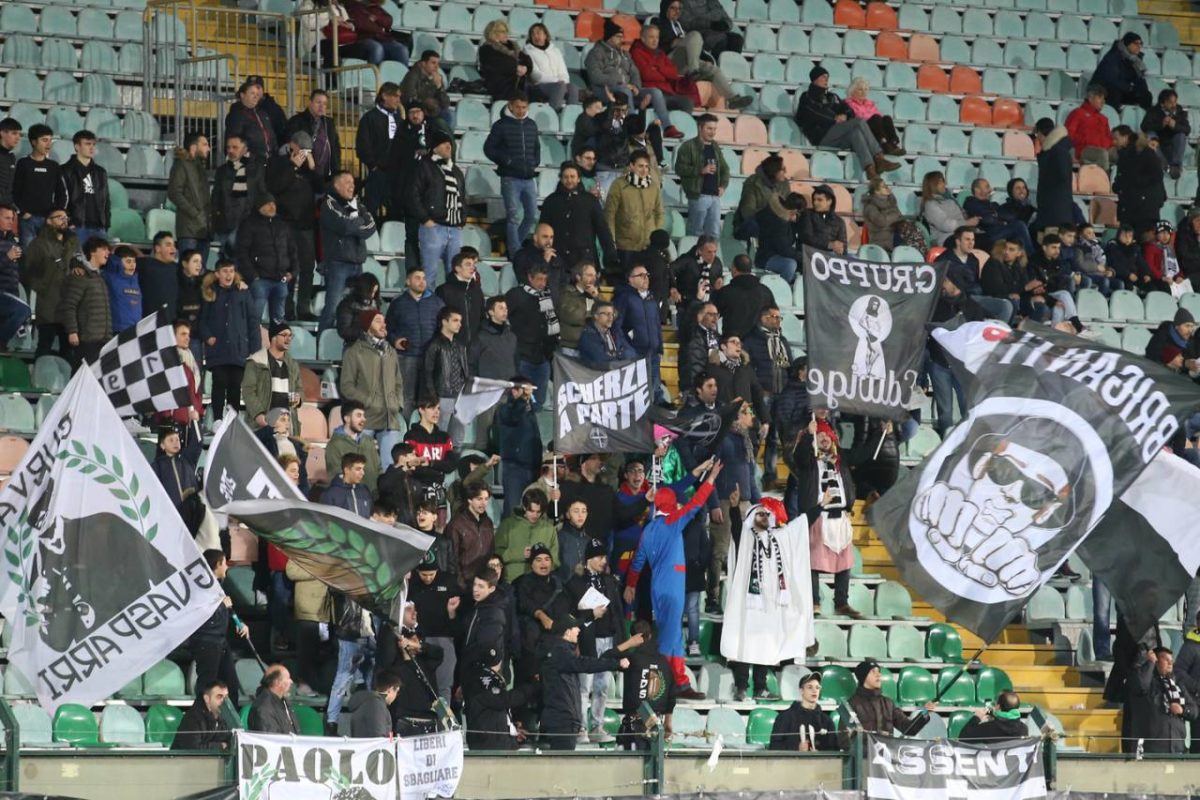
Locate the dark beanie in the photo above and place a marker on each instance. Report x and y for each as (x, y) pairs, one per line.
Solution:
(366, 317)
(660, 239)
(817, 72)
(277, 328)
(1183, 316)
(539, 549)
(611, 29)
(437, 136)
(563, 624)
(1130, 38)
(594, 548)
(864, 669)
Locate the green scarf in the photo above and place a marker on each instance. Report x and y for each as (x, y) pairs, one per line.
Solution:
(1014, 714)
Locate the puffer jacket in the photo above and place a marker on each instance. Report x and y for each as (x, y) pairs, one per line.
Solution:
(124, 295)
(578, 221)
(494, 353)
(84, 308)
(227, 315)
(1053, 194)
(372, 377)
(1088, 127)
(819, 229)
(446, 367)
(607, 66)
(311, 601)
(345, 229)
(513, 146)
(356, 301)
(86, 194)
(187, 188)
(637, 319)
(759, 191)
(265, 248)
(633, 213)
(295, 189)
(414, 319)
(354, 498)
(44, 268)
(427, 195)
(881, 213)
(256, 385)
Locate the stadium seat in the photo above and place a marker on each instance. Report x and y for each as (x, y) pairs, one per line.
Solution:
(34, 725)
(122, 725)
(867, 642)
(330, 345)
(1091, 304)
(973, 111)
(16, 684)
(688, 726)
(1160, 306)
(943, 643)
(932, 78)
(1135, 339)
(832, 640)
(161, 723)
(891, 46)
(958, 720)
(164, 679)
(990, 682)
(16, 414)
(127, 226)
(1126, 305)
(913, 18)
(18, 19)
(759, 725)
(308, 720)
(716, 682)
(915, 686)
(892, 600)
(76, 725)
(837, 683)
(784, 11)
(905, 643)
(956, 686)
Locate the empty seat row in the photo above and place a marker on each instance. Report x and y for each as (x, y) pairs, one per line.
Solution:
(57, 20)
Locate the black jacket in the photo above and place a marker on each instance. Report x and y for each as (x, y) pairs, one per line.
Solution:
(430, 599)
(345, 230)
(740, 303)
(255, 127)
(229, 206)
(375, 150)
(295, 191)
(1117, 75)
(37, 186)
(446, 367)
(688, 271)
(493, 353)
(270, 714)
(879, 714)
(488, 705)
(498, 67)
(370, 717)
(528, 255)
(487, 628)
(819, 729)
(397, 488)
(816, 111)
(411, 143)
(606, 512)
(1126, 260)
(160, 283)
(578, 221)
(427, 194)
(560, 667)
(201, 730)
(777, 237)
(467, 298)
(739, 381)
(819, 229)
(610, 625)
(1139, 184)
(8, 171)
(771, 377)
(1163, 732)
(993, 730)
(1153, 122)
(513, 146)
(525, 316)
(694, 355)
(265, 248)
(1055, 167)
(305, 121)
(414, 700)
(85, 194)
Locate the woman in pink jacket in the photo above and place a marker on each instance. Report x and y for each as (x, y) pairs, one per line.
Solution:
(882, 127)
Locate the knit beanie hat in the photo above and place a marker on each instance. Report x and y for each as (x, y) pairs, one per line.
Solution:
(277, 328)
(594, 548)
(539, 549)
(864, 669)
(817, 72)
(611, 29)
(1183, 316)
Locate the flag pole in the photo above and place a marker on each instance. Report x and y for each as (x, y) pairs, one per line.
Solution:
(654, 473)
(554, 473)
(942, 691)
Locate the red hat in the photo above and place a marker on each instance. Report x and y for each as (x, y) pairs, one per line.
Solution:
(365, 318)
(665, 500)
(775, 506)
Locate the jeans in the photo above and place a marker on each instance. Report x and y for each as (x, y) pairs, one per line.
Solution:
(540, 375)
(1173, 149)
(377, 193)
(300, 290)
(770, 456)
(514, 478)
(1016, 231)
(439, 244)
(355, 656)
(661, 103)
(686, 55)
(945, 388)
(444, 674)
(410, 373)
(450, 423)
(1101, 626)
(605, 179)
(337, 275)
(782, 266)
(691, 612)
(1064, 307)
(521, 210)
(271, 295)
(83, 234)
(201, 246)
(373, 51)
(704, 216)
(214, 661)
(994, 307)
(594, 686)
(556, 94)
(854, 134)
(14, 314)
(227, 242)
(29, 228)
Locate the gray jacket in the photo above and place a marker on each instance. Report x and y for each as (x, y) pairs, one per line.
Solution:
(610, 66)
(345, 230)
(369, 715)
(703, 15)
(271, 714)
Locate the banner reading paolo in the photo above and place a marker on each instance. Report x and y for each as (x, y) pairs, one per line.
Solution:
(601, 410)
(939, 769)
(865, 328)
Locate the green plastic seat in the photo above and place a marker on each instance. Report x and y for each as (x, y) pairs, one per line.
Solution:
(837, 683)
(612, 721)
(959, 693)
(943, 642)
(308, 720)
(758, 727)
(905, 643)
(20, 50)
(990, 682)
(958, 720)
(832, 641)
(14, 375)
(916, 686)
(122, 725)
(244, 715)
(76, 725)
(94, 22)
(707, 629)
(892, 600)
(127, 226)
(867, 642)
(887, 684)
(161, 723)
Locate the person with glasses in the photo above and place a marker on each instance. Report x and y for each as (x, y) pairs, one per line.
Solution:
(771, 356)
(43, 270)
(601, 343)
(637, 315)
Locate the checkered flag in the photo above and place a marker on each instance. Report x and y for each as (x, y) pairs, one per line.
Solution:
(140, 369)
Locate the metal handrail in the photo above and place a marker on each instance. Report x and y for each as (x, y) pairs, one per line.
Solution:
(12, 747)
(180, 100)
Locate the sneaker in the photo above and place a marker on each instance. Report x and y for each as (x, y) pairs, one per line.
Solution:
(582, 737)
(1065, 571)
(766, 694)
(848, 611)
(689, 694)
(1176, 171)
(738, 102)
(304, 690)
(712, 607)
(739, 694)
(600, 736)
(694, 650)
(672, 132)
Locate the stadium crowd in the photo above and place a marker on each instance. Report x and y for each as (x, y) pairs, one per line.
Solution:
(496, 621)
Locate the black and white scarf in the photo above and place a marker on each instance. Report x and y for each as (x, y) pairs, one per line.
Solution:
(454, 216)
(377, 343)
(640, 181)
(766, 548)
(610, 342)
(1170, 691)
(240, 187)
(393, 123)
(546, 306)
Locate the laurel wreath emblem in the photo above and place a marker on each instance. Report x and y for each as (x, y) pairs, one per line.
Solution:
(18, 549)
(333, 540)
(110, 472)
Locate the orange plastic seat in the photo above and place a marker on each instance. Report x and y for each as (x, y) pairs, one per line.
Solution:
(964, 80)
(975, 111)
(589, 25)
(796, 164)
(881, 17)
(932, 78)
(752, 157)
(930, 257)
(923, 47)
(594, 5)
(1007, 113)
(1016, 143)
(708, 94)
(315, 466)
(849, 13)
(748, 129)
(12, 450)
(854, 234)
(313, 425)
(1093, 180)
(631, 27)
(891, 46)
(725, 130)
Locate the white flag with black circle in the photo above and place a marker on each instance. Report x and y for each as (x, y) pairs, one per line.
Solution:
(101, 580)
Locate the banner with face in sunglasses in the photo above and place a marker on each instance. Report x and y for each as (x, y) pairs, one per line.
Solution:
(865, 329)
(1059, 428)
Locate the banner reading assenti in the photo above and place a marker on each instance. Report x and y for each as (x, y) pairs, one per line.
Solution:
(865, 329)
(940, 769)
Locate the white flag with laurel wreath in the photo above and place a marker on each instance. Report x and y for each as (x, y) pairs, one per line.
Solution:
(100, 578)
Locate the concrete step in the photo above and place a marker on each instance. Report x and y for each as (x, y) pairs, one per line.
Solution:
(1062, 699)
(1022, 655)
(1165, 7)
(1096, 730)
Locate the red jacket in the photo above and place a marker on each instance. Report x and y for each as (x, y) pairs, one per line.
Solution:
(659, 72)
(370, 21)
(1088, 127)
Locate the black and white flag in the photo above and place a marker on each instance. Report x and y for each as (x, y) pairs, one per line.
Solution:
(140, 369)
(865, 329)
(240, 468)
(601, 410)
(478, 396)
(1059, 429)
(100, 578)
(940, 769)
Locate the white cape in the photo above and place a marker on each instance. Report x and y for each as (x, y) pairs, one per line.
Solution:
(769, 633)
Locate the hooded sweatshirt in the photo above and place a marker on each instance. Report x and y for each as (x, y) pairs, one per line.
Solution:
(124, 295)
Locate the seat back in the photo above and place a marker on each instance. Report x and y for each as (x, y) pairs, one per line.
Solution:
(76, 725)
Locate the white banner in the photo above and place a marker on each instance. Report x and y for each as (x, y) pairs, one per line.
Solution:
(319, 768)
(100, 579)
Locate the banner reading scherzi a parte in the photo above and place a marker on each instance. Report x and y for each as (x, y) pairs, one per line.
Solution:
(601, 410)
(100, 579)
(940, 769)
(865, 329)
(318, 768)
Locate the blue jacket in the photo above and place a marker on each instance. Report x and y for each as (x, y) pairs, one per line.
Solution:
(415, 320)
(10, 269)
(355, 499)
(638, 317)
(1116, 74)
(124, 295)
(520, 437)
(514, 147)
(228, 315)
(593, 351)
(770, 377)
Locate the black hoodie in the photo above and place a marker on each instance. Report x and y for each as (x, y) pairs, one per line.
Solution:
(816, 111)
